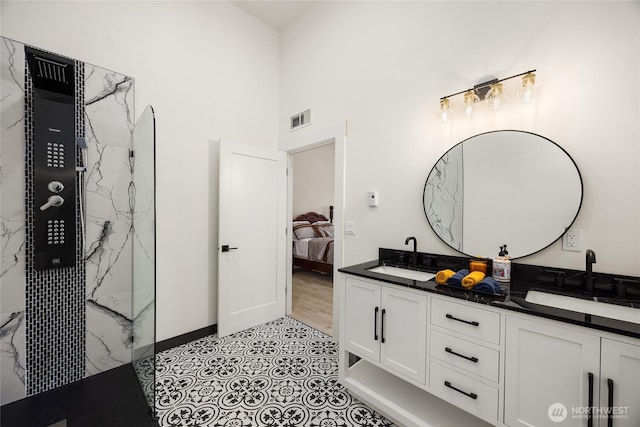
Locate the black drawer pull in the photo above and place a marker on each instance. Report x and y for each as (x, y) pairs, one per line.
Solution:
(471, 395)
(375, 324)
(382, 326)
(450, 316)
(589, 414)
(610, 413)
(473, 359)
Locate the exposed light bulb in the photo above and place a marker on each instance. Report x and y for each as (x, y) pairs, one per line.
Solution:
(470, 98)
(445, 109)
(496, 96)
(528, 85)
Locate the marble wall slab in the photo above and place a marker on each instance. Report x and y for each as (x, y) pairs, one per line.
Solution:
(109, 100)
(12, 138)
(12, 356)
(444, 196)
(12, 222)
(109, 197)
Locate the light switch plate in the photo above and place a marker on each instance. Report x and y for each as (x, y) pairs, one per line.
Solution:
(349, 227)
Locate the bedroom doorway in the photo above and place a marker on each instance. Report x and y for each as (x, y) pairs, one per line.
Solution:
(312, 173)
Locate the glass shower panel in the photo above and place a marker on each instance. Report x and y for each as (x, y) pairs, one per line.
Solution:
(144, 280)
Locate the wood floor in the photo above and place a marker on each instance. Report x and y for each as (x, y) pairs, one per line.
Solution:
(313, 300)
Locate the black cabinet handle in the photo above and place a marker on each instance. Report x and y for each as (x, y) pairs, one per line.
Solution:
(375, 324)
(471, 395)
(226, 248)
(473, 359)
(589, 414)
(450, 316)
(382, 326)
(610, 413)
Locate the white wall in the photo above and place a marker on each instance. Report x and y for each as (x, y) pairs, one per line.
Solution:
(313, 180)
(383, 66)
(210, 71)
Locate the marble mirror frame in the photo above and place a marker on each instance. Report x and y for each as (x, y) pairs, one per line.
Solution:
(503, 187)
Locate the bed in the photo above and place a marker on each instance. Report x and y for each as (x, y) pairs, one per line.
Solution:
(313, 235)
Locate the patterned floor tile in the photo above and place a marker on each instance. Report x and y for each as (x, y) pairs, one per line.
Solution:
(281, 374)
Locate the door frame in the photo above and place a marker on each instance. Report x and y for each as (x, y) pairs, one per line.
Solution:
(336, 134)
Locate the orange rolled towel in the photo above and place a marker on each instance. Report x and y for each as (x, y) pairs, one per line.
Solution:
(472, 278)
(443, 275)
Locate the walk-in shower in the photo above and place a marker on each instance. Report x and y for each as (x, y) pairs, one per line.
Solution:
(77, 216)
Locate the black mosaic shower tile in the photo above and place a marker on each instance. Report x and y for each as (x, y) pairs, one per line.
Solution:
(55, 299)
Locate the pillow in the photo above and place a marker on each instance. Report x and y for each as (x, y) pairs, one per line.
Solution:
(325, 230)
(304, 231)
(300, 222)
(321, 222)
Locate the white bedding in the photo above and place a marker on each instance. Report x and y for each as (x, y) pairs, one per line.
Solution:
(301, 248)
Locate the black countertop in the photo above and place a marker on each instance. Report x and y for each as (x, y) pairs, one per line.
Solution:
(514, 301)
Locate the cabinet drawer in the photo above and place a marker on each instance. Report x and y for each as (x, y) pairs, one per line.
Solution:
(475, 322)
(466, 355)
(464, 392)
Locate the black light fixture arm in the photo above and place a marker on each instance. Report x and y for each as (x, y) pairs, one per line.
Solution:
(487, 84)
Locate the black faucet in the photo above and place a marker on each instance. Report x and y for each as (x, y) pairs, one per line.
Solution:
(414, 256)
(589, 279)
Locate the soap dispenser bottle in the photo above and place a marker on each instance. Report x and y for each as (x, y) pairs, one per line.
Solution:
(502, 266)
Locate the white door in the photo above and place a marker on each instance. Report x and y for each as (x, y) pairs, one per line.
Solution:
(362, 318)
(251, 236)
(547, 374)
(620, 383)
(403, 326)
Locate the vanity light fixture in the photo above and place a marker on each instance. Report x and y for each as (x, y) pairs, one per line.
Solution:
(493, 92)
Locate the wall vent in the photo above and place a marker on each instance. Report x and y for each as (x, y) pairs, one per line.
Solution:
(300, 119)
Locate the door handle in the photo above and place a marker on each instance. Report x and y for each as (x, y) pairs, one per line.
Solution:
(226, 248)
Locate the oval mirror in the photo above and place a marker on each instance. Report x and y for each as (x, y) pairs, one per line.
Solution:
(502, 187)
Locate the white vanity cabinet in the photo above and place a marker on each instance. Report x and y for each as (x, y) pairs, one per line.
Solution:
(546, 365)
(426, 359)
(620, 382)
(464, 356)
(554, 372)
(387, 325)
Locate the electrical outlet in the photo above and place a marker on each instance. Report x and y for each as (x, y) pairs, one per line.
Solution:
(572, 240)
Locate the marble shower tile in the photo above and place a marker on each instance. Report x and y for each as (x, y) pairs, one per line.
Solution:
(108, 183)
(108, 101)
(108, 258)
(12, 357)
(12, 139)
(109, 331)
(12, 267)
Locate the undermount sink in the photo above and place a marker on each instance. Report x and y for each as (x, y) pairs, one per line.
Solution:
(421, 276)
(587, 306)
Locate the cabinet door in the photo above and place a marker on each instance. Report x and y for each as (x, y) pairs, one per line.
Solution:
(404, 332)
(547, 373)
(362, 318)
(620, 383)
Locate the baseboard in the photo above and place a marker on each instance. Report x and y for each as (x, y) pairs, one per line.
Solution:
(185, 338)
